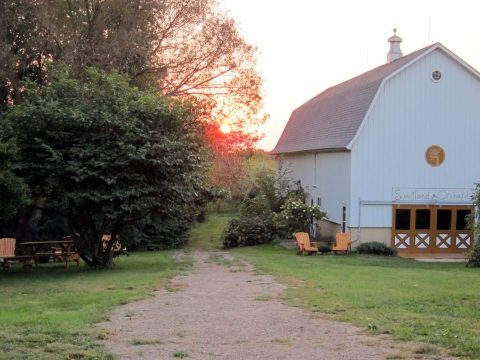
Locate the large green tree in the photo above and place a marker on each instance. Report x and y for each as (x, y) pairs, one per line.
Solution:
(109, 158)
(186, 49)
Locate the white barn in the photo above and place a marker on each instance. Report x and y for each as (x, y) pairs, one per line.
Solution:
(393, 154)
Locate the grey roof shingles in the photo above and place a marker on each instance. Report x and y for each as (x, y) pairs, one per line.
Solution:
(331, 119)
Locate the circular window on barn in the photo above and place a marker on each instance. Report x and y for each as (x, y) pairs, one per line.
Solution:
(435, 155)
(436, 75)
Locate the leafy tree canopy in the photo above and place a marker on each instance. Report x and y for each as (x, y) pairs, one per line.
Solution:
(109, 158)
(185, 48)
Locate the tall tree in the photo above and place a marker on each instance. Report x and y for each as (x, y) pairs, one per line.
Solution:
(187, 49)
(198, 50)
(109, 158)
(184, 48)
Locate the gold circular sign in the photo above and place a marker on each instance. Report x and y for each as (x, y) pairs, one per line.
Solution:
(435, 155)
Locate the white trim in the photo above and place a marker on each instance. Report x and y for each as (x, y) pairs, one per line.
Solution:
(459, 60)
(385, 79)
(431, 203)
(332, 222)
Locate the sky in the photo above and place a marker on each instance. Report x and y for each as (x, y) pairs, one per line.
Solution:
(306, 46)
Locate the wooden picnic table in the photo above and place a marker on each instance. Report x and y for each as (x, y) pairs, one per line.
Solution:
(63, 250)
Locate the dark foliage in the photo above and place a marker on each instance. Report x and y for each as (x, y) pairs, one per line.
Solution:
(473, 257)
(101, 156)
(13, 190)
(375, 248)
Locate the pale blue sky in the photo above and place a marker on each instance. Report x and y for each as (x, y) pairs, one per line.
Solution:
(306, 46)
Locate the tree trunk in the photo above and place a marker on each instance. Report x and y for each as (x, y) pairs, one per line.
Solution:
(97, 255)
(108, 259)
(28, 222)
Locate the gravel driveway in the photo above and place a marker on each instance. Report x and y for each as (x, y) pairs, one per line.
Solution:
(222, 310)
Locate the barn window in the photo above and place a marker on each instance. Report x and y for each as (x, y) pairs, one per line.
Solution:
(436, 75)
(402, 219)
(444, 219)
(462, 219)
(422, 219)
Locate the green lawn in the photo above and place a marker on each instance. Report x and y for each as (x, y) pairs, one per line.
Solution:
(49, 313)
(208, 235)
(434, 303)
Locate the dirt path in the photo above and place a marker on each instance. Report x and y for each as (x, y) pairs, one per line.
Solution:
(227, 312)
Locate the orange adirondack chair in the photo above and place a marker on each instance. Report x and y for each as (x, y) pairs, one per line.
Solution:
(343, 243)
(7, 254)
(304, 245)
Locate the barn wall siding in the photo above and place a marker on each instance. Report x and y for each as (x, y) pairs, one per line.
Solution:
(325, 176)
(411, 113)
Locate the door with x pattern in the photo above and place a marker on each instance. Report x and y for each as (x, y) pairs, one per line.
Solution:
(431, 229)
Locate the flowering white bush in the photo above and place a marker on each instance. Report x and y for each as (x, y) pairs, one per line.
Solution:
(295, 216)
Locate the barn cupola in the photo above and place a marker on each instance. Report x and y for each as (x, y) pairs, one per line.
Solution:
(395, 52)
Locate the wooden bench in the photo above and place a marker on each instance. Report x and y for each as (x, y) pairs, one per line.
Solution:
(304, 245)
(7, 254)
(343, 243)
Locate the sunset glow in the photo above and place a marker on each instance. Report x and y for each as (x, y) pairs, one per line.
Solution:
(225, 128)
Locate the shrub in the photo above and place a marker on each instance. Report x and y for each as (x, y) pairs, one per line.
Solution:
(268, 195)
(276, 188)
(297, 216)
(246, 231)
(376, 248)
(473, 257)
(256, 206)
(324, 248)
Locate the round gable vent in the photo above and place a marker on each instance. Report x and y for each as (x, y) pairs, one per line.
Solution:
(436, 75)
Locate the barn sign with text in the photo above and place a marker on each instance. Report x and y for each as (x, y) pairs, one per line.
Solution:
(457, 196)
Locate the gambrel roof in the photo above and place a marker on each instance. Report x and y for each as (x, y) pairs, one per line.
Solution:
(331, 120)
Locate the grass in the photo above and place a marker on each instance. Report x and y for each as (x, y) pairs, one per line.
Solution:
(180, 354)
(433, 303)
(49, 313)
(146, 342)
(208, 235)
